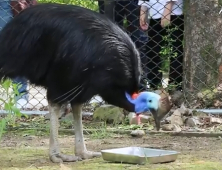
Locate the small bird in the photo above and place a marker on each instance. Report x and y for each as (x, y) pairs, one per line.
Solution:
(146, 101)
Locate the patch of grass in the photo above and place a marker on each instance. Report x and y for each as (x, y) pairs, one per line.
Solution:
(25, 155)
(29, 132)
(34, 132)
(100, 164)
(100, 133)
(66, 124)
(36, 158)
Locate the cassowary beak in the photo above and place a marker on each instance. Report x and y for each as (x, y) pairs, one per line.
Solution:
(156, 118)
(159, 113)
(164, 107)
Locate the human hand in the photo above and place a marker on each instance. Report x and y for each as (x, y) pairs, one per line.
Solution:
(165, 20)
(143, 22)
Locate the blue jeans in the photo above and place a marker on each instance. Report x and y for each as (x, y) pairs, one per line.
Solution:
(5, 13)
(6, 16)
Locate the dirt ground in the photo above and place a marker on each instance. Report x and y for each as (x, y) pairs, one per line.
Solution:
(31, 152)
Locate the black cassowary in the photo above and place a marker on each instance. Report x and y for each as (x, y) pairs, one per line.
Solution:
(75, 53)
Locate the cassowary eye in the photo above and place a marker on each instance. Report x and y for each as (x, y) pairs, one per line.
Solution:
(150, 101)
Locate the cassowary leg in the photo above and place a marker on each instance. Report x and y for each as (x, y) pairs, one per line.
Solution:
(80, 147)
(54, 149)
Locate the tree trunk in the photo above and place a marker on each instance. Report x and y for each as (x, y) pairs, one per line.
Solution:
(203, 47)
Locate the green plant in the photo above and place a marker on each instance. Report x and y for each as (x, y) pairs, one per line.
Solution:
(10, 90)
(100, 133)
(167, 50)
(91, 4)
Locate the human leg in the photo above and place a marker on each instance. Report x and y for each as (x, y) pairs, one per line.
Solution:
(153, 48)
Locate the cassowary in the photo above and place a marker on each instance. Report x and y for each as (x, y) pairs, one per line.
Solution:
(74, 53)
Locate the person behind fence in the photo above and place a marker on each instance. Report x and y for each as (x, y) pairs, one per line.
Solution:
(9, 9)
(130, 11)
(166, 18)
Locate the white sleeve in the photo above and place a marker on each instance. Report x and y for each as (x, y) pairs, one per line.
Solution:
(172, 0)
(144, 3)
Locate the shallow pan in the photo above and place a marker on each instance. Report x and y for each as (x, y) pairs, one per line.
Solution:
(138, 155)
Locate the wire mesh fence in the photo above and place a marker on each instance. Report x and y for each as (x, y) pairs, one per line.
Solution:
(179, 43)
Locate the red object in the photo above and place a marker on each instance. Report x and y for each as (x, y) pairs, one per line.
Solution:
(134, 96)
(19, 5)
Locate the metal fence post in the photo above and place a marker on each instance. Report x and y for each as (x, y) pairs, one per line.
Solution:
(109, 8)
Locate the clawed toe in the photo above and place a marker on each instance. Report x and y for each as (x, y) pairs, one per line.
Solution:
(59, 158)
(96, 154)
(89, 154)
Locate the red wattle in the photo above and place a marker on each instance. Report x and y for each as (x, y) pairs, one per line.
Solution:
(134, 96)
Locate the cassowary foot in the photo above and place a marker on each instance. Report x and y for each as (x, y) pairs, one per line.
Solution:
(59, 158)
(88, 154)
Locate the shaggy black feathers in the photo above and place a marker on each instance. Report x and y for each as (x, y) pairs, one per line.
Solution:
(73, 51)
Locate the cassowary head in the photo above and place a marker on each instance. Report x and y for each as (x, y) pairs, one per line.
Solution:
(146, 101)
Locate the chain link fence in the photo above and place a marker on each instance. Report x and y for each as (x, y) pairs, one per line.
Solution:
(180, 53)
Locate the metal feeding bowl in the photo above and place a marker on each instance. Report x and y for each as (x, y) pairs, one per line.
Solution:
(138, 155)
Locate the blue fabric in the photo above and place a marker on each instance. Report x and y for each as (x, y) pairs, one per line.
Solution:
(23, 89)
(5, 17)
(5, 13)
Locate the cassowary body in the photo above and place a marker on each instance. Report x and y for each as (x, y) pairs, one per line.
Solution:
(74, 53)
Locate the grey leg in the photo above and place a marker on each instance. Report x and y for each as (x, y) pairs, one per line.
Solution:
(80, 147)
(54, 149)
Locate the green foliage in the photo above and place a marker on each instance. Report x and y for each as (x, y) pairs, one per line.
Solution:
(167, 50)
(101, 133)
(10, 90)
(91, 4)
